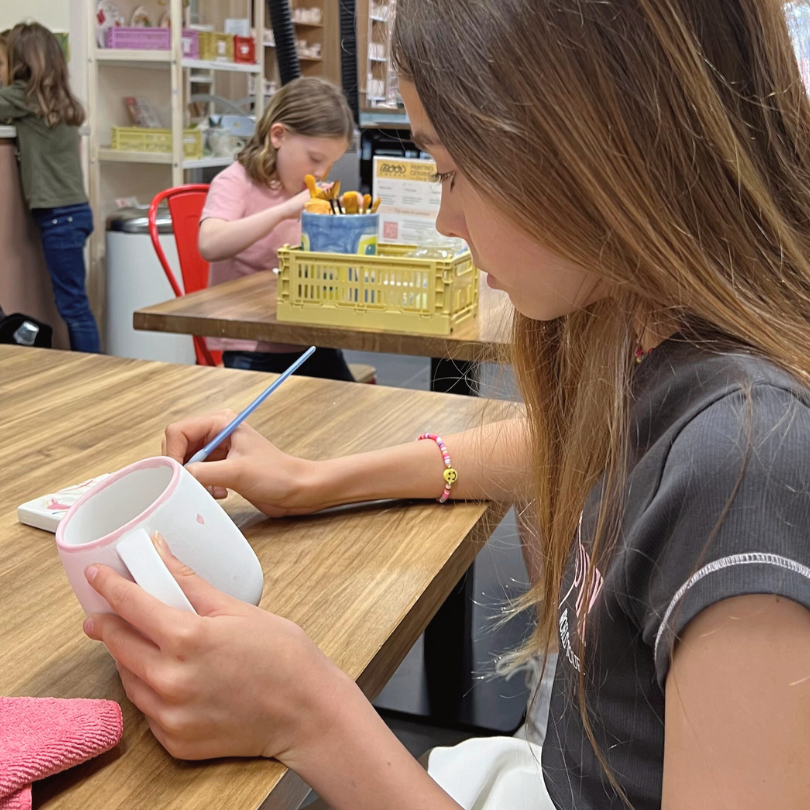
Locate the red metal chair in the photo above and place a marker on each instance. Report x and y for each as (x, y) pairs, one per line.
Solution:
(185, 206)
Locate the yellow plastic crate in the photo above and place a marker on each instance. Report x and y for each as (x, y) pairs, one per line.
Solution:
(144, 139)
(216, 47)
(386, 291)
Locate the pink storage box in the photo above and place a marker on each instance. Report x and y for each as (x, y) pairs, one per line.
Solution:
(139, 39)
(152, 39)
(191, 44)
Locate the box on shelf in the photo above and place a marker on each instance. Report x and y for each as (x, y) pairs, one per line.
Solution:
(307, 16)
(244, 50)
(141, 112)
(376, 50)
(238, 26)
(140, 139)
(379, 12)
(216, 47)
(389, 291)
(139, 39)
(191, 44)
(375, 89)
(269, 86)
(152, 39)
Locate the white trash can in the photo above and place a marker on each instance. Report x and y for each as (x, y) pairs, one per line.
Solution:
(135, 279)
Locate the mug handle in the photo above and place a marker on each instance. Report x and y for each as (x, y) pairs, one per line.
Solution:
(149, 571)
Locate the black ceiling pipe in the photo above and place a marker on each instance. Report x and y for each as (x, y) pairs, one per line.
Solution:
(348, 56)
(289, 67)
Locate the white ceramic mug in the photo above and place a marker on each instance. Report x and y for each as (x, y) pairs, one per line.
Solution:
(113, 523)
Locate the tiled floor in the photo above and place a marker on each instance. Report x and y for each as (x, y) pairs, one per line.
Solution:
(499, 575)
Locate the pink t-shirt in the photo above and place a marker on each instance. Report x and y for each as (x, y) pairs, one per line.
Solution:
(233, 195)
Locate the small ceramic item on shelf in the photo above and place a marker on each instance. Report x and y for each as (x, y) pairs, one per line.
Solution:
(107, 16)
(220, 142)
(141, 18)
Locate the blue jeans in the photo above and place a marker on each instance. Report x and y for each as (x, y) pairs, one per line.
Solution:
(63, 232)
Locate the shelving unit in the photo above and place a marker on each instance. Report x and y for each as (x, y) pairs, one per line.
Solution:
(378, 82)
(230, 67)
(134, 58)
(123, 156)
(168, 80)
(324, 33)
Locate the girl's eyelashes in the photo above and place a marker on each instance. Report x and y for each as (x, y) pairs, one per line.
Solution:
(441, 177)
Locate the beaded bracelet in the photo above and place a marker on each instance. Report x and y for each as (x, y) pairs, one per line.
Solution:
(450, 475)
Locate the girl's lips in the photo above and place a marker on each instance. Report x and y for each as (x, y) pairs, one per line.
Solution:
(492, 282)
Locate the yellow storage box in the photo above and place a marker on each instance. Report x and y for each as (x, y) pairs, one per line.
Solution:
(386, 291)
(216, 47)
(144, 139)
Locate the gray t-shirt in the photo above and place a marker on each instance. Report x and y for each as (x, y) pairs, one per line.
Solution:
(697, 418)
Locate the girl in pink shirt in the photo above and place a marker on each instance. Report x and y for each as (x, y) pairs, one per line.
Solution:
(254, 208)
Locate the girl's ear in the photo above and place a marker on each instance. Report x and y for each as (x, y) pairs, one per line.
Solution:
(278, 132)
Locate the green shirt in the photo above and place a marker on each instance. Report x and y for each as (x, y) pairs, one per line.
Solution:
(49, 156)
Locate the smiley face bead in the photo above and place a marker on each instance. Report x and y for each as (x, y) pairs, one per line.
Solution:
(449, 475)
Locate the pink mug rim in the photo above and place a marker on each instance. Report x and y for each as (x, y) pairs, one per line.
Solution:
(112, 537)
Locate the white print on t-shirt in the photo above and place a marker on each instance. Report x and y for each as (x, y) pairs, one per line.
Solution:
(584, 573)
(751, 558)
(565, 641)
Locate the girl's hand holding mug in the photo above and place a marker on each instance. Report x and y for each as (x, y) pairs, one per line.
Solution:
(232, 680)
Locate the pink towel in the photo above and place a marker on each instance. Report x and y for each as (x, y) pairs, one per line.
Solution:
(43, 736)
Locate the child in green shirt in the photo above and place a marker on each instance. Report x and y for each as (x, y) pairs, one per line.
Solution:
(36, 99)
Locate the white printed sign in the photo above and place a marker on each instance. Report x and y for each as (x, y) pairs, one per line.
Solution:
(410, 200)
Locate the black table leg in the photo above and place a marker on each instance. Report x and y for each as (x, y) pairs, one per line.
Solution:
(453, 697)
(448, 638)
(448, 654)
(454, 377)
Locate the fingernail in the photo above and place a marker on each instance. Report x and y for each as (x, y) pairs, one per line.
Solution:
(159, 543)
(88, 627)
(91, 572)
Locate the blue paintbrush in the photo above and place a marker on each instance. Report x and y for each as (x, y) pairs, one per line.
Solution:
(209, 448)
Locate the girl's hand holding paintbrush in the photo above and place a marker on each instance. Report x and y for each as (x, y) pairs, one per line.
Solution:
(241, 462)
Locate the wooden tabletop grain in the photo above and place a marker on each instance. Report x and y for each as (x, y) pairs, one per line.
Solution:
(362, 581)
(246, 309)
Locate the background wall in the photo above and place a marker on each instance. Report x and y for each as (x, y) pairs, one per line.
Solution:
(53, 13)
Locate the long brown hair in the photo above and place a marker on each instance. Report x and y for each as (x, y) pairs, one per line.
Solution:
(661, 144)
(307, 106)
(36, 60)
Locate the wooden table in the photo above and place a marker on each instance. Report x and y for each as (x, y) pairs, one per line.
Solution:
(246, 309)
(362, 581)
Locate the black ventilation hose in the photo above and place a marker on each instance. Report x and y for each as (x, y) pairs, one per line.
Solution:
(289, 67)
(348, 56)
